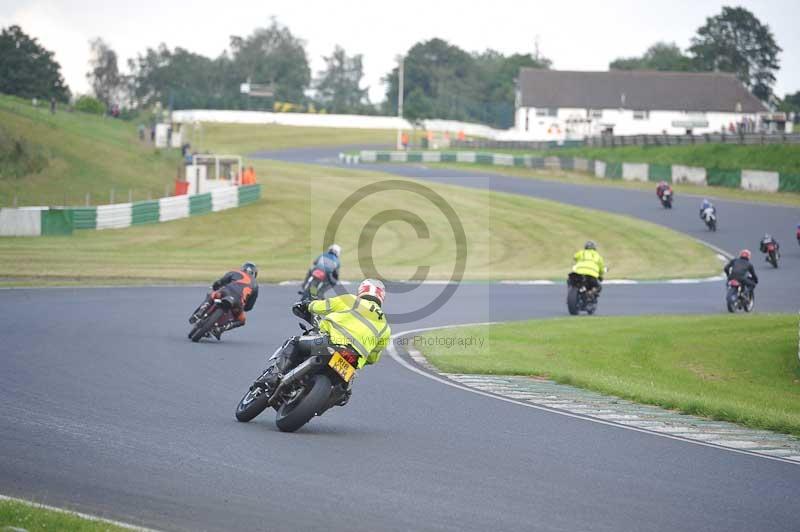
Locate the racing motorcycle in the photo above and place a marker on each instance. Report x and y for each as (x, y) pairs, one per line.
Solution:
(320, 379)
(666, 199)
(315, 284)
(580, 297)
(772, 254)
(738, 298)
(218, 312)
(710, 218)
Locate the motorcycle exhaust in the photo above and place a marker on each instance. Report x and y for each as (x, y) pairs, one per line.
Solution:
(296, 374)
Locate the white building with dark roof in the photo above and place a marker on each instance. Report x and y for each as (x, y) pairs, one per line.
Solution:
(556, 105)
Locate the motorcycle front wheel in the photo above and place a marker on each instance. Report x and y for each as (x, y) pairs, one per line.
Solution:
(297, 412)
(252, 404)
(204, 326)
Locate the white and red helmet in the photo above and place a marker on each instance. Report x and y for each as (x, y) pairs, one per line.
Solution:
(373, 289)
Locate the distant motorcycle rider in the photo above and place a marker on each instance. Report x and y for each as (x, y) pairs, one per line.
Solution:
(356, 321)
(242, 285)
(741, 269)
(662, 187)
(328, 262)
(590, 264)
(707, 205)
(766, 241)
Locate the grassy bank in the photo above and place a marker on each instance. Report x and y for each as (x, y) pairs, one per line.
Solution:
(742, 369)
(776, 198)
(15, 515)
(86, 154)
(249, 138)
(284, 230)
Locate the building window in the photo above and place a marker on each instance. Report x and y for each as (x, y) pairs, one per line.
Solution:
(596, 113)
(641, 115)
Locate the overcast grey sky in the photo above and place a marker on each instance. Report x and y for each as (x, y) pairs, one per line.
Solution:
(576, 35)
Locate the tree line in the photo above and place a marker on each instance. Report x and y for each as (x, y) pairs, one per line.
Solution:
(441, 80)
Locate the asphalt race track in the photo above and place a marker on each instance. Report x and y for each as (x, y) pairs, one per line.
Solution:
(107, 408)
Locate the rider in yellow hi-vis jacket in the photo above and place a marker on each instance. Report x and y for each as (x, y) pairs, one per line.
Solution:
(589, 263)
(357, 321)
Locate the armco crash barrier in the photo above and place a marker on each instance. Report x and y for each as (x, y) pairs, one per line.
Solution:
(35, 221)
(747, 179)
(46, 221)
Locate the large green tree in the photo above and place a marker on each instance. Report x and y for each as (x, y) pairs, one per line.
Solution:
(443, 81)
(273, 55)
(104, 77)
(736, 41)
(27, 69)
(660, 56)
(177, 78)
(339, 84)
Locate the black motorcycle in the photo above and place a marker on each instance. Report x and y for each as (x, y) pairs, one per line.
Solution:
(666, 199)
(580, 294)
(738, 297)
(320, 379)
(213, 314)
(710, 219)
(315, 284)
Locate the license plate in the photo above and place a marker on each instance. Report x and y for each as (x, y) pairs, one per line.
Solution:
(342, 367)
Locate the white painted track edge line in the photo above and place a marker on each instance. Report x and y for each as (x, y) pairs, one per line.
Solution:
(82, 515)
(443, 380)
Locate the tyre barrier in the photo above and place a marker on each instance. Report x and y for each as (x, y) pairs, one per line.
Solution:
(758, 180)
(49, 221)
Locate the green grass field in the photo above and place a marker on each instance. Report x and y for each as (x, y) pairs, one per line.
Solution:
(508, 237)
(698, 192)
(15, 515)
(742, 369)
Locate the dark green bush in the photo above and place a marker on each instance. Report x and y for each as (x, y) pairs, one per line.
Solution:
(87, 104)
(19, 156)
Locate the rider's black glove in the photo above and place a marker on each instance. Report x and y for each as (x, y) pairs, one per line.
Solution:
(300, 309)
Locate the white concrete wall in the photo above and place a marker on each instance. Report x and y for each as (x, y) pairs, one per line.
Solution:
(326, 120)
(21, 221)
(688, 174)
(760, 180)
(635, 171)
(599, 169)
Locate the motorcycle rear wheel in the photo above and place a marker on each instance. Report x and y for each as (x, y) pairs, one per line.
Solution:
(204, 326)
(572, 301)
(731, 300)
(297, 412)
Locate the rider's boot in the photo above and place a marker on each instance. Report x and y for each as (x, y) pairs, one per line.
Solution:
(217, 331)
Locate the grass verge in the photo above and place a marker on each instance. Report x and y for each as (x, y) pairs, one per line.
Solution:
(777, 198)
(16, 515)
(284, 230)
(742, 369)
(773, 157)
